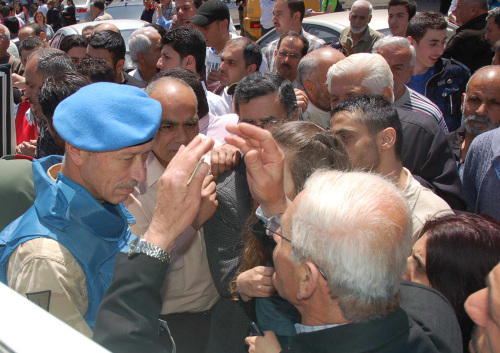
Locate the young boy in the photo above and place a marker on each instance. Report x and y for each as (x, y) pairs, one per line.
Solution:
(441, 80)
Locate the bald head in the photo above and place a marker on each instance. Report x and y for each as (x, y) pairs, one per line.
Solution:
(488, 74)
(4, 40)
(362, 4)
(105, 27)
(312, 72)
(179, 119)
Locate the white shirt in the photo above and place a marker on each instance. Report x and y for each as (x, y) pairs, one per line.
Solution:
(216, 105)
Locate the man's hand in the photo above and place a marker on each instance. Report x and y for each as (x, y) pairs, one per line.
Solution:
(302, 99)
(224, 158)
(213, 76)
(265, 162)
(256, 282)
(28, 148)
(18, 81)
(158, 10)
(177, 203)
(263, 344)
(209, 202)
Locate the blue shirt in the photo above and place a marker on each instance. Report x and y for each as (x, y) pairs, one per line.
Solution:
(418, 82)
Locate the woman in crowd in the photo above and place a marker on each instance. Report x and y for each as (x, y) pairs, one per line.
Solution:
(41, 19)
(68, 15)
(21, 12)
(453, 255)
(307, 147)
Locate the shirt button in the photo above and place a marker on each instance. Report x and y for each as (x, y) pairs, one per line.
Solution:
(444, 94)
(449, 81)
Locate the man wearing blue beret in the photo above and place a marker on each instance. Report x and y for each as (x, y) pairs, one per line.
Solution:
(60, 254)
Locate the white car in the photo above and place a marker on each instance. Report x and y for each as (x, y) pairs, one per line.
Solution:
(126, 27)
(329, 26)
(128, 9)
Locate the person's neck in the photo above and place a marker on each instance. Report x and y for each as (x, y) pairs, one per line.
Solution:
(393, 170)
(420, 69)
(357, 36)
(316, 313)
(220, 45)
(468, 138)
(399, 93)
(147, 75)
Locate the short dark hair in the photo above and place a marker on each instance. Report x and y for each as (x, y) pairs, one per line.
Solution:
(112, 42)
(495, 14)
(422, 21)
(12, 24)
(51, 61)
(259, 84)
(305, 47)
(31, 43)
(377, 114)
(97, 70)
(411, 6)
(297, 6)
(5, 11)
(251, 50)
(461, 250)
(193, 81)
(73, 41)
(187, 41)
(56, 88)
(99, 4)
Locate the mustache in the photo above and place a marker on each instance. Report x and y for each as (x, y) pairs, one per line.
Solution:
(285, 65)
(130, 185)
(478, 118)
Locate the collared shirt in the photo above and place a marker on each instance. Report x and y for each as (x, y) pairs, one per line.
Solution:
(363, 45)
(268, 50)
(188, 286)
(412, 100)
(168, 13)
(308, 329)
(136, 74)
(216, 105)
(424, 204)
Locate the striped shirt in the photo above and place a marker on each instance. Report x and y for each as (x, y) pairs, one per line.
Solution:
(414, 101)
(268, 50)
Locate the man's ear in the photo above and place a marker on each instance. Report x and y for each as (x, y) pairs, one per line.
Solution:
(410, 75)
(296, 16)
(412, 41)
(189, 63)
(252, 68)
(119, 66)
(310, 88)
(388, 94)
(140, 56)
(75, 154)
(463, 100)
(308, 280)
(370, 19)
(386, 139)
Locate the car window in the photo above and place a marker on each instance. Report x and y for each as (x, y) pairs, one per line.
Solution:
(327, 34)
(80, 2)
(131, 12)
(56, 40)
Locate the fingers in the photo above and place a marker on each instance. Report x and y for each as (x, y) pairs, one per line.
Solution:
(208, 179)
(266, 271)
(251, 341)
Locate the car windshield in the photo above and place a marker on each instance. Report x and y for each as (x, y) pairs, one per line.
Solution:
(130, 12)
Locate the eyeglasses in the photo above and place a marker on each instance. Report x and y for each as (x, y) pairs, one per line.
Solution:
(283, 54)
(268, 123)
(273, 224)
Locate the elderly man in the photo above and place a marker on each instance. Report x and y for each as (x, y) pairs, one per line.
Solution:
(189, 292)
(479, 114)
(400, 55)
(483, 308)
(5, 57)
(288, 16)
(359, 37)
(291, 48)
(110, 46)
(145, 51)
(469, 45)
(426, 152)
(400, 14)
(371, 131)
(79, 242)
(240, 58)
(312, 72)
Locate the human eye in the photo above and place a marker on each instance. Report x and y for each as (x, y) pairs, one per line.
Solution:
(167, 127)
(344, 137)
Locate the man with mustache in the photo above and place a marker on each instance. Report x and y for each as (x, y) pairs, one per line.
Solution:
(480, 111)
(145, 51)
(291, 48)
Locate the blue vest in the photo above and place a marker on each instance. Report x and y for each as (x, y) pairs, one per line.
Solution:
(65, 211)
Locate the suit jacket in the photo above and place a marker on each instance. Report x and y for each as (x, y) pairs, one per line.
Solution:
(428, 156)
(394, 333)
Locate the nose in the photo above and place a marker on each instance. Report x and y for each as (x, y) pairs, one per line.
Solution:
(482, 110)
(440, 49)
(181, 136)
(159, 63)
(139, 171)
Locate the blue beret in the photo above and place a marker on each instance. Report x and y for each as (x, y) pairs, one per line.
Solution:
(107, 116)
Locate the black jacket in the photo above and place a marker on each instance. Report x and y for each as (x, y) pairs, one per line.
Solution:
(428, 156)
(469, 46)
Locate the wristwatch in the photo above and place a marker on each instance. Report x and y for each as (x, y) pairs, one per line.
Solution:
(141, 246)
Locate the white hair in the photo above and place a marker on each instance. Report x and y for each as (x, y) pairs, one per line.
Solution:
(139, 42)
(376, 73)
(357, 228)
(6, 31)
(398, 42)
(363, 3)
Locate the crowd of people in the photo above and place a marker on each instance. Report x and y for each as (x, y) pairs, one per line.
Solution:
(222, 197)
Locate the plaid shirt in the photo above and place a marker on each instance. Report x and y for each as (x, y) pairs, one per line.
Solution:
(46, 146)
(268, 50)
(168, 12)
